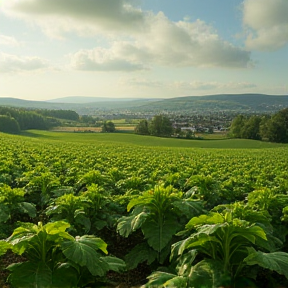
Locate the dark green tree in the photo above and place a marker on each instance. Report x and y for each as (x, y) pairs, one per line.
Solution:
(142, 128)
(8, 124)
(277, 127)
(251, 128)
(108, 127)
(236, 126)
(160, 126)
(87, 119)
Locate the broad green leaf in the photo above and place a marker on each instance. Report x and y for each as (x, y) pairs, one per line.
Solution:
(81, 219)
(157, 279)
(128, 224)
(4, 246)
(55, 209)
(140, 253)
(28, 208)
(179, 247)
(201, 241)
(188, 207)
(210, 229)
(207, 273)
(272, 244)
(212, 218)
(57, 230)
(65, 276)
(177, 282)
(83, 251)
(138, 220)
(141, 200)
(115, 264)
(185, 262)
(276, 261)
(30, 275)
(56, 227)
(194, 241)
(99, 224)
(159, 234)
(21, 237)
(249, 233)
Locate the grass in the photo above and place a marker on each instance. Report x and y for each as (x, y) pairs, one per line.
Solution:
(133, 139)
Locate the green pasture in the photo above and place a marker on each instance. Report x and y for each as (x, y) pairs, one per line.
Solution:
(133, 139)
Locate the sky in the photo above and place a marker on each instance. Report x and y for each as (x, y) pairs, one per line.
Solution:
(142, 48)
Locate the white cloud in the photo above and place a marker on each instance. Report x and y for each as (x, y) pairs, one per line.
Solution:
(8, 41)
(12, 63)
(150, 39)
(267, 24)
(100, 59)
(165, 43)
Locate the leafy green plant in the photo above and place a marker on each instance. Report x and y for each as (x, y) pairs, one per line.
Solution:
(157, 212)
(101, 209)
(57, 259)
(70, 208)
(40, 187)
(13, 204)
(205, 188)
(226, 246)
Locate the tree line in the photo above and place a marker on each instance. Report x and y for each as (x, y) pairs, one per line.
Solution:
(273, 128)
(13, 120)
(61, 114)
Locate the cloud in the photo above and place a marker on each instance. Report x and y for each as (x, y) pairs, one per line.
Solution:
(168, 44)
(12, 63)
(85, 16)
(100, 59)
(267, 24)
(186, 44)
(186, 86)
(8, 41)
(137, 38)
(141, 83)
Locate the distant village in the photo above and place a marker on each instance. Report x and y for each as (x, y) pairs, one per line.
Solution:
(196, 123)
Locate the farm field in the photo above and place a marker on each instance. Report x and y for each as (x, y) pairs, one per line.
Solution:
(219, 208)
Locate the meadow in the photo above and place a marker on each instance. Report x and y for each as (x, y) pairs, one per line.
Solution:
(219, 208)
(142, 140)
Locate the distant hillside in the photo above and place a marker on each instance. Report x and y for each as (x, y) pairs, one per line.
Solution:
(226, 102)
(14, 102)
(81, 99)
(81, 107)
(239, 103)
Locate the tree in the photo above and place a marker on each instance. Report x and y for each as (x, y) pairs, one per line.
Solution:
(108, 127)
(251, 128)
(160, 126)
(142, 128)
(8, 124)
(277, 127)
(236, 126)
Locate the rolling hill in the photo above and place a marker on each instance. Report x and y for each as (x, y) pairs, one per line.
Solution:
(239, 103)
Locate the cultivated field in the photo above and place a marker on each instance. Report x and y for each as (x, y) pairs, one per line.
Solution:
(137, 193)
